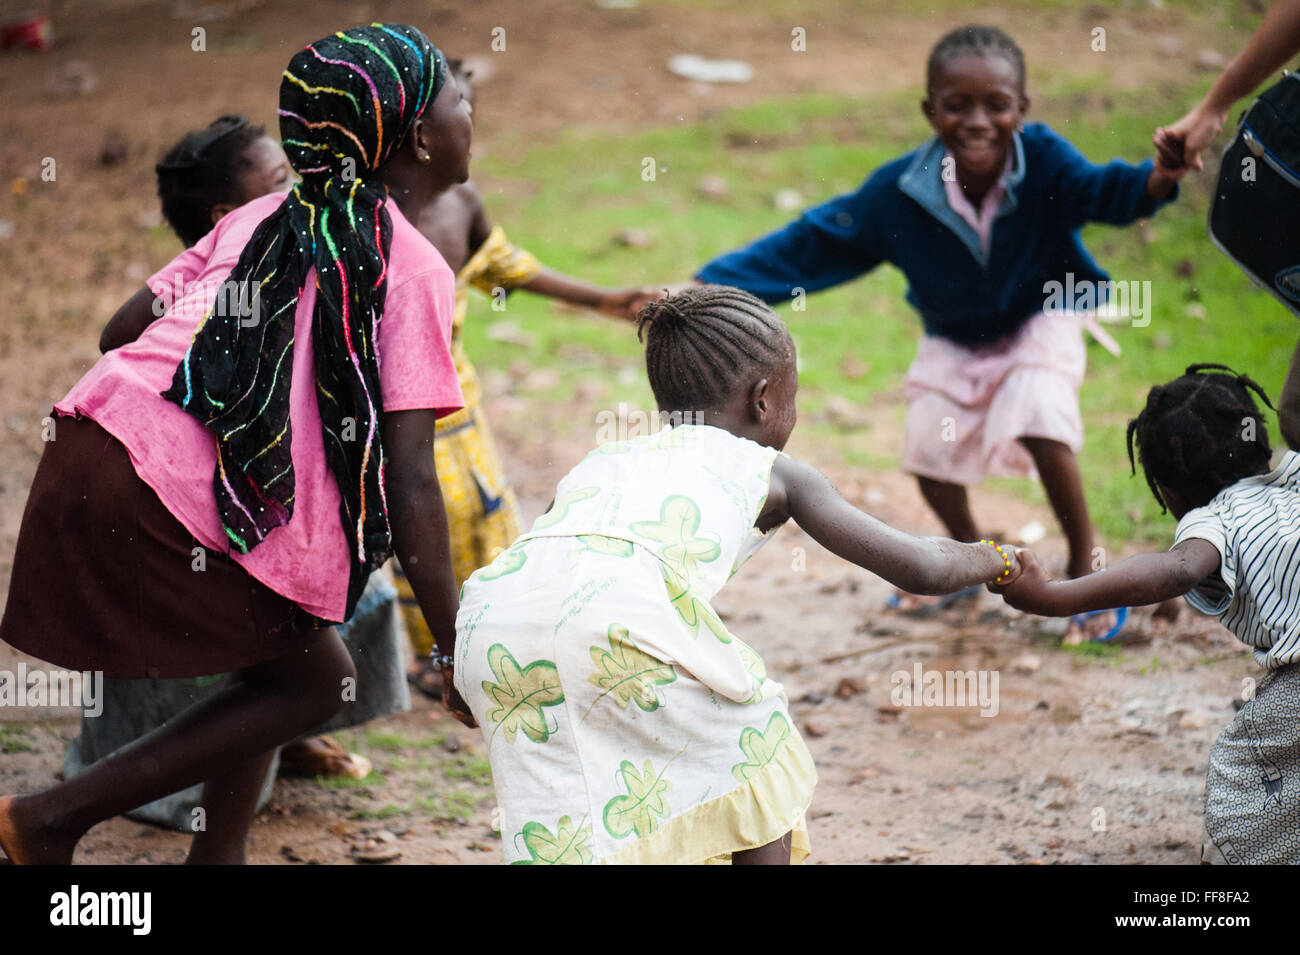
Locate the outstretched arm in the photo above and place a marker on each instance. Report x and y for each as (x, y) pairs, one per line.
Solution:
(618, 302)
(919, 565)
(1275, 41)
(1140, 580)
(827, 245)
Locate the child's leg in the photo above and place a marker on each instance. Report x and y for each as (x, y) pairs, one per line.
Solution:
(1059, 470)
(950, 503)
(228, 804)
(774, 853)
(272, 702)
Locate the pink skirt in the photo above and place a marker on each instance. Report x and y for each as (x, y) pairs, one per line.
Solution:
(968, 407)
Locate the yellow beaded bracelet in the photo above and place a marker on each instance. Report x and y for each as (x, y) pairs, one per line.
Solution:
(1006, 562)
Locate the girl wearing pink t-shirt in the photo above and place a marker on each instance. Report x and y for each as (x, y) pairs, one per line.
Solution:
(219, 490)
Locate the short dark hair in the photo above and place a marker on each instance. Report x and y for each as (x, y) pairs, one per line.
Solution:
(703, 342)
(979, 40)
(1191, 436)
(202, 170)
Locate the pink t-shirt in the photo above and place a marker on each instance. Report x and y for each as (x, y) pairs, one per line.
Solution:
(306, 560)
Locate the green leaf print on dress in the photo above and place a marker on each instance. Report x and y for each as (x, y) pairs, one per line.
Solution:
(760, 746)
(754, 664)
(520, 694)
(628, 673)
(691, 608)
(507, 562)
(613, 546)
(569, 845)
(677, 530)
(560, 509)
(640, 810)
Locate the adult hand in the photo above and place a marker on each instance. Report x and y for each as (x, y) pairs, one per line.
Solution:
(1179, 147)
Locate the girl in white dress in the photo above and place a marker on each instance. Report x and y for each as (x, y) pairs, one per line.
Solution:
(624, 722)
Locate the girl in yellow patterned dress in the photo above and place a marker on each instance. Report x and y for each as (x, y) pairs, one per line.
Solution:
(482, 516)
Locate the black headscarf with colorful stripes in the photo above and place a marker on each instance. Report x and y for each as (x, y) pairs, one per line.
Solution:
(347, 103)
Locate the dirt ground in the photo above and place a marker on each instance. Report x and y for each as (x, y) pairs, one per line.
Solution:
(1090, 758)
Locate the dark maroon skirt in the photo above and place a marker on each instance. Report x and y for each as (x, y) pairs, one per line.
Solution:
(105, 578)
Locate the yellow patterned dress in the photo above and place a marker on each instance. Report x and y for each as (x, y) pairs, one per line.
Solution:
(625, 723)
(482, 515)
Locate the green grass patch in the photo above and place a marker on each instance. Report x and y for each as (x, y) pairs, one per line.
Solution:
(384, 812)
(14, 740)
(375, 778)
(450, 806)
(468, 766)
(1093, 650)
(392, 742)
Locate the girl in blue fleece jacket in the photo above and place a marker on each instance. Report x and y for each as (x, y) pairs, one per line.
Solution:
(984, 221)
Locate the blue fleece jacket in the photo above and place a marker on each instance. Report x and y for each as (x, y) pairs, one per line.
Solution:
(901, 215)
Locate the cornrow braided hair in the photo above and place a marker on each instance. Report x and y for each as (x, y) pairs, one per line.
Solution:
(1200, 433)
(704, 342)
(979, 40)
(347, 103)
(202, 170)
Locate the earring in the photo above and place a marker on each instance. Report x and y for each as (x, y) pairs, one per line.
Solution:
(426, 159)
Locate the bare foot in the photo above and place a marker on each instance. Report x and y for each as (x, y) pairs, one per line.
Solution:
(1090, 629)
(927, 605)
(25, 843)
(322, 756)
(903, 601)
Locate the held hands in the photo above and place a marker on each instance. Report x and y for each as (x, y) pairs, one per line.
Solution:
(653, 293)
(1178, 147)
(1026, 590)
(625, 303)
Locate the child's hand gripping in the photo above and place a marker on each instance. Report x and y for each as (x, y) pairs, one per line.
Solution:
(452, 701)
(1027, 589)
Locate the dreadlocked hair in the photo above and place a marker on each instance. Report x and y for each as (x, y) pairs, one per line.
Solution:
(704, 342)
(979, 40)
(1200, 433)
(202, 170)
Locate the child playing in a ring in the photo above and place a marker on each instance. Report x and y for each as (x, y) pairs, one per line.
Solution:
(982, 219)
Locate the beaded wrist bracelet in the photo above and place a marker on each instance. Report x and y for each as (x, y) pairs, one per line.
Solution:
(1005, 576)
(443, 660)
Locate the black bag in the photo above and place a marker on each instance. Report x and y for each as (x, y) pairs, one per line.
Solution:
(1255, 212)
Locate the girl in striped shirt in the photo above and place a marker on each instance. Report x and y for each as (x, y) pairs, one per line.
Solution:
(1203, 446)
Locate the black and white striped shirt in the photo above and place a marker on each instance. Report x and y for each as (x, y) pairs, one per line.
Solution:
(1255, 526)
